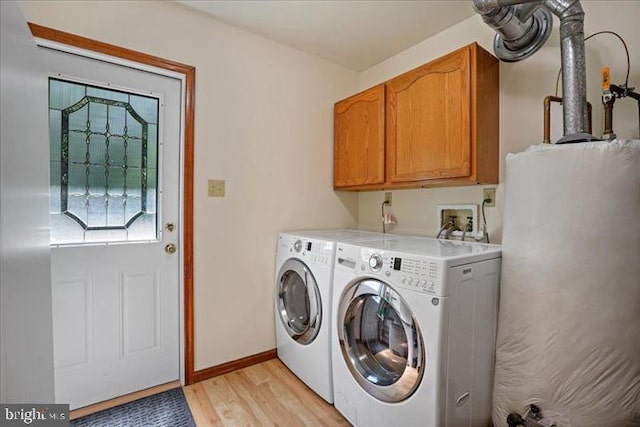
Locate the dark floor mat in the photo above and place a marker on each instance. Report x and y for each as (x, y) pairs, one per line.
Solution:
(167, 409)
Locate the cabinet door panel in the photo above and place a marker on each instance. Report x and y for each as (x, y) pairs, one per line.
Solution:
(428, 128)
(359, 139)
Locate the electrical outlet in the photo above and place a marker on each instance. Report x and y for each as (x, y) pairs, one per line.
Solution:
(489, 194)
(215, 188)
(388, 198)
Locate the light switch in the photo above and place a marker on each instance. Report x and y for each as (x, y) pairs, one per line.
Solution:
(215, 188)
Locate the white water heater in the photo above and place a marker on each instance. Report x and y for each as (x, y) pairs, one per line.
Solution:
(569, 323)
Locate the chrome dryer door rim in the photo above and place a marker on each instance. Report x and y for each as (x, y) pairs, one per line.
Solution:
(298, 301)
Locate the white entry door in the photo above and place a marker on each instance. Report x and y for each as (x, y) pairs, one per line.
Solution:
(115, 210)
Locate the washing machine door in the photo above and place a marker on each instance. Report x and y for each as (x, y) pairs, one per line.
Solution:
(380, 340)
(298, 301)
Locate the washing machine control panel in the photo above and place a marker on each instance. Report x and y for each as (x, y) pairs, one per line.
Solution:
(402, 270)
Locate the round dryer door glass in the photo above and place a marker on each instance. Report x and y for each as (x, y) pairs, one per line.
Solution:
(299, 301)
(380, 341)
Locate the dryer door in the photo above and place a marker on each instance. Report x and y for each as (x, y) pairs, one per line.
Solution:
(380, 340)
(298, 301)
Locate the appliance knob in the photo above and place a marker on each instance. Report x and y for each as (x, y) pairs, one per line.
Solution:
(297, 246)
(375, 262)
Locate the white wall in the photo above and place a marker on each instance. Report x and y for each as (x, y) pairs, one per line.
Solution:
(26, 344)
(523, 86)
(264, 123)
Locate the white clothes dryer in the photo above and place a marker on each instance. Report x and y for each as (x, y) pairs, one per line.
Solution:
(413, 337)
(304, 275)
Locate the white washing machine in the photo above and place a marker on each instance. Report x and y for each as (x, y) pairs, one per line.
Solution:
(304, 273)
(413, 338)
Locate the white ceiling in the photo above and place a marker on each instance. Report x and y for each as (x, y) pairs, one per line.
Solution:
(355, 33)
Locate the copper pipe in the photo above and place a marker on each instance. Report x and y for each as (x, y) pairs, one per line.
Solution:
(547, 117)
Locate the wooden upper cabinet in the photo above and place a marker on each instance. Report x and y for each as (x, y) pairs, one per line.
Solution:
(442, 121)
(359, 140)
(439, 124)
(428, 123)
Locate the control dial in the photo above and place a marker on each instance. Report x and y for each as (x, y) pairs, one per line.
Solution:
(297, 246)
(375, 262)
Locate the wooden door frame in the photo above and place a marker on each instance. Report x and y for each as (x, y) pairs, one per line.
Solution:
(189, 73)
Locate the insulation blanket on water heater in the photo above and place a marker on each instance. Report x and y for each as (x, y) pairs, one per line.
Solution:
(569, 323)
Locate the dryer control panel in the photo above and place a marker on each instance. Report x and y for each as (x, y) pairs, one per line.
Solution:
(310, 250)
(403, 270)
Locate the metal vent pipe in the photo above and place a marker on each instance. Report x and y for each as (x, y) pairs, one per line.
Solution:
(523, 26)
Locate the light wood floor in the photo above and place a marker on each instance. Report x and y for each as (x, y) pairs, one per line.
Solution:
(266, 394)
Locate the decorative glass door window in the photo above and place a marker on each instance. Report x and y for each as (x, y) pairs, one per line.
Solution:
(104, 164)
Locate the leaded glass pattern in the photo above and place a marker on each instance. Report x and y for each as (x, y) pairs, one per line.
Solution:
(104, 163)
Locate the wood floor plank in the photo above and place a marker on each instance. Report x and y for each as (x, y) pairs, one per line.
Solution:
(316, 411)
(257, 373)
(201, 407)
(256, 404)
(290, 419)
(266, 394)
(264, 398)
(228, 404)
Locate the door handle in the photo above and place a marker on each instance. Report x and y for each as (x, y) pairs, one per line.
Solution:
(170, 249)
(462, 399)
